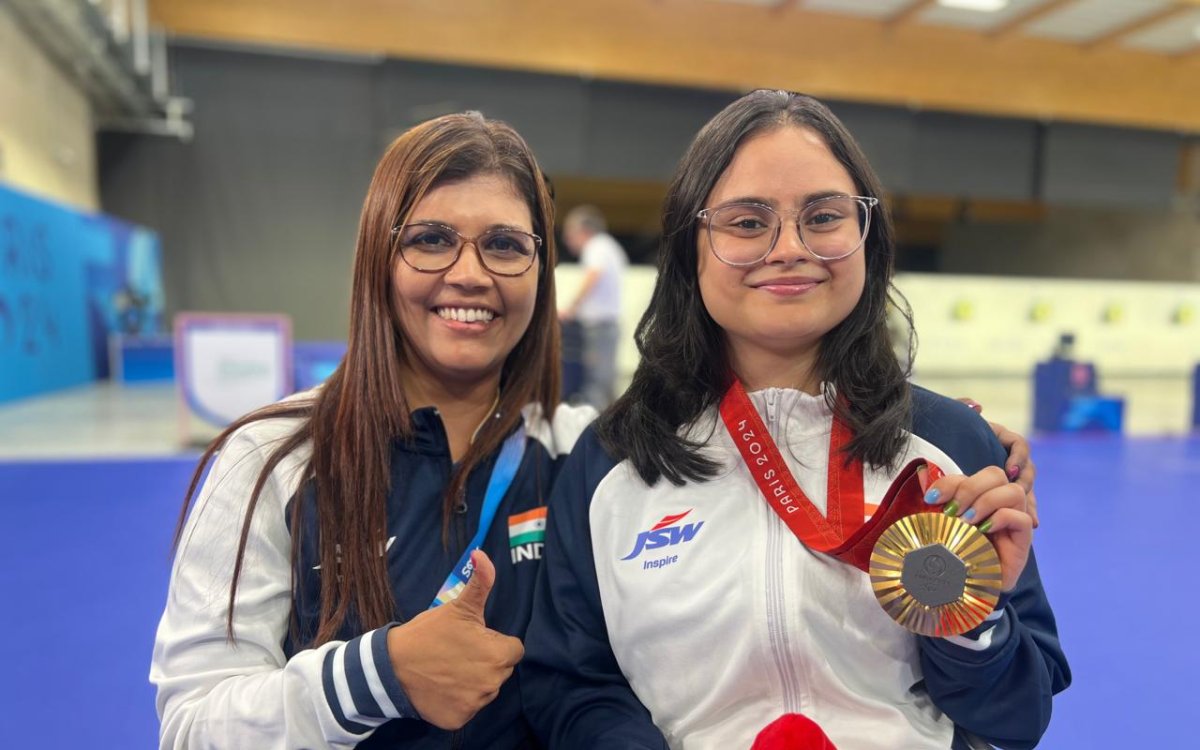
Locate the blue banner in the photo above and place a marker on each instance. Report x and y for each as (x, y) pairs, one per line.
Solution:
(124, 286)
(68, 280)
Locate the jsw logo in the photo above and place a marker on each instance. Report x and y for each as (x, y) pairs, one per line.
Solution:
(665, 533)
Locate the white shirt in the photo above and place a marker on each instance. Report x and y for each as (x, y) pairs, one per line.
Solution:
(602, 253)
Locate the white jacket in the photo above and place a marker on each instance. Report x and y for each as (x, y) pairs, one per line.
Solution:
(732, 622)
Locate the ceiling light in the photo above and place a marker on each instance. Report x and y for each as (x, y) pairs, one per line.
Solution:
(982, 6)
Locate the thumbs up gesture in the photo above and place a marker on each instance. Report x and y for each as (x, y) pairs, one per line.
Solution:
(448, 661)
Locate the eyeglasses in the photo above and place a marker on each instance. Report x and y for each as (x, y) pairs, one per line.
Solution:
(744, 234)
(432, 247)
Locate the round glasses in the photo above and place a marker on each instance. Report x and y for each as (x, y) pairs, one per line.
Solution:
(743, 234)
(432, 247)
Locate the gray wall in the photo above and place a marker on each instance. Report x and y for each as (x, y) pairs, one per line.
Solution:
(1151, 245)
(259, 212)
(1113, 213)
(935, 153)
(1087, 165)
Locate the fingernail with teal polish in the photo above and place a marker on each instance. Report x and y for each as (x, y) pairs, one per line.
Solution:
(951, 508)
(933, 496)
(969, 515)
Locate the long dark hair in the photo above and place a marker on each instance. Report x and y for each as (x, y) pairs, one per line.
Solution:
(352, 420)
(684, 366)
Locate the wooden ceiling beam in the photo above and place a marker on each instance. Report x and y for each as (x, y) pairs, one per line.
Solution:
(1021, 21)
(729, 47)
(1114, 36)
(908, 12)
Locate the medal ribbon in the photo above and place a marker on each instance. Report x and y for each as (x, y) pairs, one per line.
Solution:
(501, 479)
(842, 531)
(844, 485)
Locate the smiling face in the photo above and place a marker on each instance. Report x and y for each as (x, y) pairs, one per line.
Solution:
(781, 307)
(460, 324)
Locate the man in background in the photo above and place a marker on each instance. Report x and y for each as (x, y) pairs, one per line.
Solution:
(597, 304)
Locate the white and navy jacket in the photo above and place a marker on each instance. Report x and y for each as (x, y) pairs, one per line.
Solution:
(701, 633)
(267, 691)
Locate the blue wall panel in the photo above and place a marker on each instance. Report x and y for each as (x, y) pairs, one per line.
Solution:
(67, 280)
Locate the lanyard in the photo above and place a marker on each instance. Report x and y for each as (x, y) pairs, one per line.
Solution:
(844, 489)
(501, 479)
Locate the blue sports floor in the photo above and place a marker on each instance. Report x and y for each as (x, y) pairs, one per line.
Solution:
(84, 557)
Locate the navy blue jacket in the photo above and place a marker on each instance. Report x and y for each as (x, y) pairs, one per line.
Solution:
(271, 689)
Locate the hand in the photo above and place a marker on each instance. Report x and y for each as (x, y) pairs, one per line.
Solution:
(998, 507)
(1019, 464)
(448, 661)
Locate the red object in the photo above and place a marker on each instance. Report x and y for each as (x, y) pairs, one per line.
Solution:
(843, 534)
(792, 732)
(844, 489)
(904, 498)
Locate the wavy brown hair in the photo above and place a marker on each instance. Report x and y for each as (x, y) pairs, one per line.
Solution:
(685, 366)
(351, 421)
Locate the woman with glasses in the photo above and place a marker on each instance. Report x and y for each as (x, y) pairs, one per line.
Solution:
(687, 599)
(410, 487)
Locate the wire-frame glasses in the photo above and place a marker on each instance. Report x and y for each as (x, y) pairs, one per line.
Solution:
(830, 228)
(431, 248)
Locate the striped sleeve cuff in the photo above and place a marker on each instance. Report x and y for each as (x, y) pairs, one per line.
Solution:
(989, 634)
(360, 686)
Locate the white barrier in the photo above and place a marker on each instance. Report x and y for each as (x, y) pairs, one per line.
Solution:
(980, 336)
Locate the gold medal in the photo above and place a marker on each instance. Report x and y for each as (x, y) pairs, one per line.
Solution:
(935, 574)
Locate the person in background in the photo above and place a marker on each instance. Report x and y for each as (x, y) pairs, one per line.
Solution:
(678, 606)
(597, 304)
(358, 566)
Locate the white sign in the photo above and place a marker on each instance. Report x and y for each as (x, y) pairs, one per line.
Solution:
(228, 365)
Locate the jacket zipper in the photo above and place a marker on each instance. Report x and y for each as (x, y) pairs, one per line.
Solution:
(776, 605)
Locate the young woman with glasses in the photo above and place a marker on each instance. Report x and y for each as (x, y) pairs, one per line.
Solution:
(680, 603)
(330, 517)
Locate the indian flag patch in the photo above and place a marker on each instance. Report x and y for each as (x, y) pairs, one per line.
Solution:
(527, 527)
(527, 534)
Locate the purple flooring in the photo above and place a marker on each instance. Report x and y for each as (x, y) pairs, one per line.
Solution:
(84, 559)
